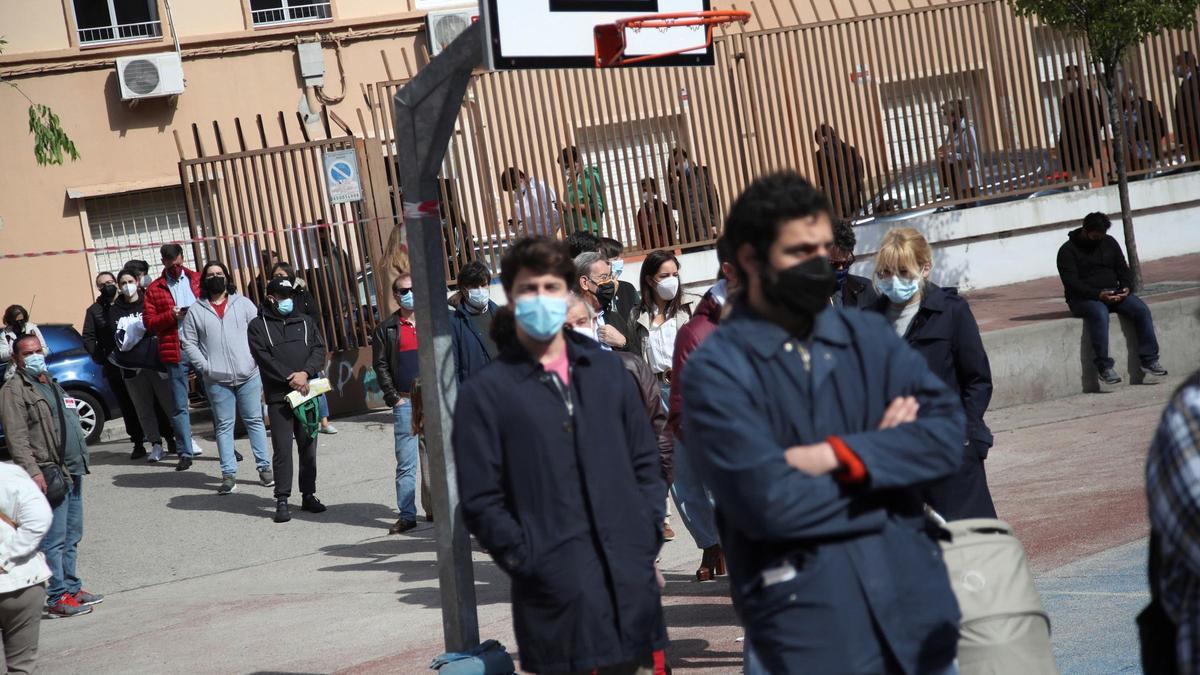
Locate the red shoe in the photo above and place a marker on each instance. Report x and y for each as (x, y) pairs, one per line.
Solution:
(66, 607)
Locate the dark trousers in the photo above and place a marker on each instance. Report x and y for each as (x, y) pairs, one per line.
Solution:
(1095, 319)
(116, 382)
(286, 429)
(965, 494)
(20, 624)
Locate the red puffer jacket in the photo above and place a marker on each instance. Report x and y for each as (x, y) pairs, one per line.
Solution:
(158, 318)
(702, 324)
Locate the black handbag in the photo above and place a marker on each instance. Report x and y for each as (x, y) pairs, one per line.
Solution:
(56, 484)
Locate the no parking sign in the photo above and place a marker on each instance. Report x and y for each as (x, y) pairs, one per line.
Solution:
(341, 176)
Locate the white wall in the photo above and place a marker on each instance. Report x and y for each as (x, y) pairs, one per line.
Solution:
(1018, 241)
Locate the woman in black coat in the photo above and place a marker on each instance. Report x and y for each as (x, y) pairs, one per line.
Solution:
(938, 323)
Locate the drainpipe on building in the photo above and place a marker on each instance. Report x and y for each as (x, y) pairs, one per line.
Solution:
(171, 25)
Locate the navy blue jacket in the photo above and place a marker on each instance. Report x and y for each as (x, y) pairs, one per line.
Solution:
(569, 500)
(869, 573)
(470, 355)
(945, 333)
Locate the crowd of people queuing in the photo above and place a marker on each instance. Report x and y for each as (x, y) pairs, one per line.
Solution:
(823, 415)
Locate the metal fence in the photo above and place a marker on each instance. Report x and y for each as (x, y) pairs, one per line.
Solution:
(931, 108)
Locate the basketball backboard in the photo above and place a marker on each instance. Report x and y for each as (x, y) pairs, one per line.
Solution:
(559, 33)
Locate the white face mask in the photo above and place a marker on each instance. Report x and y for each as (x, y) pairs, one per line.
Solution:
(667, 289)
(588, 331)
(478, 298)
(130, 290)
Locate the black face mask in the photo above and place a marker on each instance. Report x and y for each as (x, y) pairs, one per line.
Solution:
(804, 289)
(215, 285)
(1087, 244)
(108, 292)
(605, 293)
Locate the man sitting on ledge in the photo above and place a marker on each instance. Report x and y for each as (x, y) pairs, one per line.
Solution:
(1097, 282)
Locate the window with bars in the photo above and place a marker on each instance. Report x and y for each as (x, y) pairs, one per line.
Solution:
(625, 153)
(271, 12)
(105, 21)
(138, 222)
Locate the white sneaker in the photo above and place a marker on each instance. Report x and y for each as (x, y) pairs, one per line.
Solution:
(156, 453)
(329, 429)
(196, 451)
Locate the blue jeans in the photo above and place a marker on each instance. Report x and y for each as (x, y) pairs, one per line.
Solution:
(61, 544)
(1095, 319)
(693, 500)
(406, 461)
(181, 420)
(228, 403)
(323, 406)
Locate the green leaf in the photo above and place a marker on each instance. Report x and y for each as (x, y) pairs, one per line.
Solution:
(50, 140)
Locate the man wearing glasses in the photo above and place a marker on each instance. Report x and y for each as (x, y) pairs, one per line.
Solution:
(852, 291)
(394, 351)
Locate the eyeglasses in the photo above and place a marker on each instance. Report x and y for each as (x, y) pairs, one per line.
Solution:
(604, 279)
(400, 292)
(842, 263)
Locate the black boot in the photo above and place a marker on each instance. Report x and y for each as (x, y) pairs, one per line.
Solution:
(139, 451)
(312, 504)
(282, 512)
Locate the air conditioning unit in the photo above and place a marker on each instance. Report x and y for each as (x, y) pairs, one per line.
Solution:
(444, 26)
(150, 76)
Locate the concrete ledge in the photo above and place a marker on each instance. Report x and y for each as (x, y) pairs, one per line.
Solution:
(1053, 359)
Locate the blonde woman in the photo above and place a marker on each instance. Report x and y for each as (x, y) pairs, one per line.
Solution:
(938, 323)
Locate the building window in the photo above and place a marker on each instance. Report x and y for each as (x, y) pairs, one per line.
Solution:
(138, 222)
(106, 21)
(272, 12)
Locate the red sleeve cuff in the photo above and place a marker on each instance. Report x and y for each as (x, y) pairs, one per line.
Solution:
(852, 468)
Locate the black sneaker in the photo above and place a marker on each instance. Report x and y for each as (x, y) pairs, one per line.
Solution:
(228, 484)
(312, 504)
(1153, 368)
(282, 512)
(1110, 376)
(139, 452)
(184, 464)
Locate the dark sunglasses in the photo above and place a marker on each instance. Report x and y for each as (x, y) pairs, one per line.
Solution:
(842, 263)
(398, 292)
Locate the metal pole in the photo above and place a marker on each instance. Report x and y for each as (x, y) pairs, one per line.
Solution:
(426, 110)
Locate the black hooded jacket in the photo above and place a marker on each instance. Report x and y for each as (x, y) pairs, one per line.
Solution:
(1087, 268)
(282, 345)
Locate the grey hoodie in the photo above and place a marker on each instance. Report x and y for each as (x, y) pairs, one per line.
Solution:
(219, 348)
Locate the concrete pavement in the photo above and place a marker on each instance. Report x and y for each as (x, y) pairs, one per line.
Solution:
(202, 583)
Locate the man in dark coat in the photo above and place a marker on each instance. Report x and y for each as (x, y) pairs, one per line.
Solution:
(289, 352)
(98, 341)
(1097, 282)
(472, 314)
(1082, 119)
(804, 421)
(840, 172)
(694, 196)
(560, 480)
(1187, 105)
(852, 290)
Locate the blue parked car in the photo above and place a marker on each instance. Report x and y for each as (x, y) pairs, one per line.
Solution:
(81, 377)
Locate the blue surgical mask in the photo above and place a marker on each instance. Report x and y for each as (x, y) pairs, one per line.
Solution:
(618, 266)
(35, 364)
(479, 298)
(898, 289)
(285, 306)
(541, 316)
(407, 300)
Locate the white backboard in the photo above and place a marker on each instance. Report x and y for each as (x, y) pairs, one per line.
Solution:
(559, 33)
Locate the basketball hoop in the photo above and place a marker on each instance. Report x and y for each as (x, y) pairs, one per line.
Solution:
(611, 43)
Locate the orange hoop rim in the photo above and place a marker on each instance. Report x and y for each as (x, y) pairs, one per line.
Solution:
(610, 38)
(684, 19)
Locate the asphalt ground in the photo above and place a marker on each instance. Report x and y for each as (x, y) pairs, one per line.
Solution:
(201, 583)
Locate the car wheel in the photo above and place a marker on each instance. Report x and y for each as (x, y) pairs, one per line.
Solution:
(91, 415)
